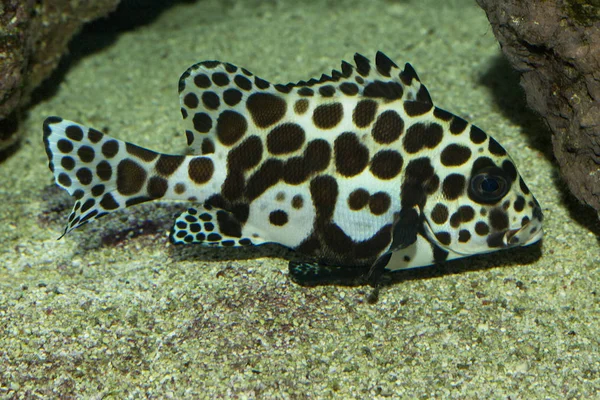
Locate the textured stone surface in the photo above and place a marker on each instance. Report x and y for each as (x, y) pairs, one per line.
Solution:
(555, 45)
(33, 37)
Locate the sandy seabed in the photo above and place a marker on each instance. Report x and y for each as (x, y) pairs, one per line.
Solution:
(114, 311)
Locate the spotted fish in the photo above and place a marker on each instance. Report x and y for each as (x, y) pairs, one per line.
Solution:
(356, 169)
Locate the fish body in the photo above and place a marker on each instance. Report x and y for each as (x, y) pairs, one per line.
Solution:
(356, 169)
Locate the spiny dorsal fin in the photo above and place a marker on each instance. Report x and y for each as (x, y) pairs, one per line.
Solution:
(212, 90)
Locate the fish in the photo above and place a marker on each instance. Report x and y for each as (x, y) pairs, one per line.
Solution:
(357, 169)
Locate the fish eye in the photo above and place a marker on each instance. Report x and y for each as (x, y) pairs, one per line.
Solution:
(489, 186)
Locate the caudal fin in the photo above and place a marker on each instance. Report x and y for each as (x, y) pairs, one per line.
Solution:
(105, 174)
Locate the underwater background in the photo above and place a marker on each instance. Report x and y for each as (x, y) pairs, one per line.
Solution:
(114, 310)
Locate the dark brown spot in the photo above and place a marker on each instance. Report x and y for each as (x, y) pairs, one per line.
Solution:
(104, 170)
(74, 132)
(454, 155)
(482, 229)
(419, 136)
(189, 136)
(439, 214)
(364, 113)
(283, 88)
(519, 204)
(495, 148)
(179, 188)
(231, 126)
(108, 202)
(351, 156)
(65, 146)
(324, 192)
(477, 135)
(464, 236)
(86, 154)
(64, 179)
(94, 135)
(510, 169)
(202, 122)
(202, 81)
(301, 106)
(211, 100)
(358, 199)
(388, 127)
(157, 187)
(418, 175)
(498, 219)
(243, 82)
(327, 116)
(453, 186)
(191, 100)
(130, 177)
(200, 169)
(220, 78)
(384, 90)
(278, 218)
(379, 203)
(463, 214)
(230, 68)
(349, 88)
(457, 125)
(297, 201)
(386, 164)
(307, 92)
(285, 138)
(416, 108)
(265, 108)
(442, 114)
(317, 155)
(84, 175)
(110, 148)
(140, 152)
(444, 238)
(327, 91)
(232, 96)
(98, 190)
(228, 224)
(261, 83)
(523, 186)
(67, 163)
(296, 170)
(207, 147)
(167, 164)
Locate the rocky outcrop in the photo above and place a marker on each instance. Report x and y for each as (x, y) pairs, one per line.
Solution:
(34, 36)
(555, 45)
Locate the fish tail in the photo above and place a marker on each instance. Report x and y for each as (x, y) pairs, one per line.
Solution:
(104, 174)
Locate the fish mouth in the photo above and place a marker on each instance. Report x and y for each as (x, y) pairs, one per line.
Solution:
(524, 236)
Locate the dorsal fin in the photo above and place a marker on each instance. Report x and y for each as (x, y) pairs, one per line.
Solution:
(385, 80)
(210, 88)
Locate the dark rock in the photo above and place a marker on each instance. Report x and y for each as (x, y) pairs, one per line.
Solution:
(555, 46)
(34, 36)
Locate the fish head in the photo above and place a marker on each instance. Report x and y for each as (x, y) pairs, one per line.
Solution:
(481, 205)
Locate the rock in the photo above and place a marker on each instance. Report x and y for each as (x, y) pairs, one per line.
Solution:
(34, 36)
(555, 46)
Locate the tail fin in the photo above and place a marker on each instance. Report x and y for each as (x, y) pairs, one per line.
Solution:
(106, 174)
